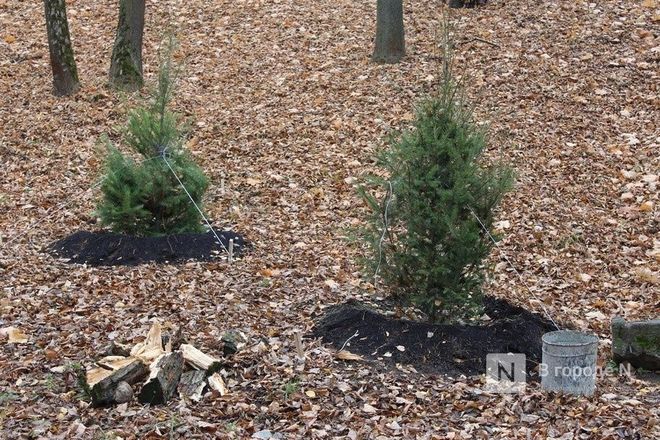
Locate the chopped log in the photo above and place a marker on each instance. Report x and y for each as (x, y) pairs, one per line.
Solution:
(229, 347)
(163, 379)
(106, 367)
(173, 341)
(103, 392)
(231, 340)
(152, 347)
(637, 342)
(199, 360)
(217, 384)
(148, 356)
(114, 363)
(117, 349)
(96, 375)
(192, 384)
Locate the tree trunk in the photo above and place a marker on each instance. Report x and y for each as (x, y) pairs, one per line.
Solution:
(466, 3)
(65, 74)
(126, 64)
(390, 44)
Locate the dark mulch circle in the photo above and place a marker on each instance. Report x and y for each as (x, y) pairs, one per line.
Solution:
(436, 348)
(109, 249)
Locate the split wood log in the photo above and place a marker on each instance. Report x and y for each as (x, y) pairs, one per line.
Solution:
(163, 379)
(114, 363)
(192, 384)
(199, 360)
(103, 391)
(230, 342)
(173, 341)
(152, 347)
(106, 367)
(217, 384)
(96, 375)
(117, 349)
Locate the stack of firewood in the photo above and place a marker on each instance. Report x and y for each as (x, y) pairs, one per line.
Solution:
(158, 367)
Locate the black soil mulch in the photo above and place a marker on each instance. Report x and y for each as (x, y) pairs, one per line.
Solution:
(436, 348)
(109, 249)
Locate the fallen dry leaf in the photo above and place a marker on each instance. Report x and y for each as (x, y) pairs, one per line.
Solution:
(283, 93)
(646, 206)
(368, 409)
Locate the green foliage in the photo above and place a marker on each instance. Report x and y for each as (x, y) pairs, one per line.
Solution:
(290, 388)
(7, 397)
(84, 390)
(144, 197)
(425, 243)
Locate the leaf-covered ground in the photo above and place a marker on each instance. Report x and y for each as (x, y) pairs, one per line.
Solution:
(287, 110)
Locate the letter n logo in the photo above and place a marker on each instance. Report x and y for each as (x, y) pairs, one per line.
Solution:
(505, 372)
(510, 373)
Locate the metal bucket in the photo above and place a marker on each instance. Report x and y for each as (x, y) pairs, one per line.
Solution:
(569, 362)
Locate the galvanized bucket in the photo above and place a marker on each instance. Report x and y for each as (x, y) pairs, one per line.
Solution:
(569, 362)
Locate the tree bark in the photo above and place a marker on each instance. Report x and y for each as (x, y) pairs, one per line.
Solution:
(103, 392)
(63, 64)
(163, 380)
(192, 384)
(390, 43)
(126, 64)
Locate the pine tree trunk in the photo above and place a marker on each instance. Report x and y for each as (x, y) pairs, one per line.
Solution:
(126, 64)
(65, 74)
(390, 45)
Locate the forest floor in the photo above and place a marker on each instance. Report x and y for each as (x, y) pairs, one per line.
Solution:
(288, 111)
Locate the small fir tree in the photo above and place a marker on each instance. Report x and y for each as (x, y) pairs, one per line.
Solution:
(425, 242)
(144, 197)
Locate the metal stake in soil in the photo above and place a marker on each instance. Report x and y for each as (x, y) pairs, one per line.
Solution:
(163, 155)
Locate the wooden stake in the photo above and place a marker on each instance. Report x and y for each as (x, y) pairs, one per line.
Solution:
(231, 250)
(299, 347)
